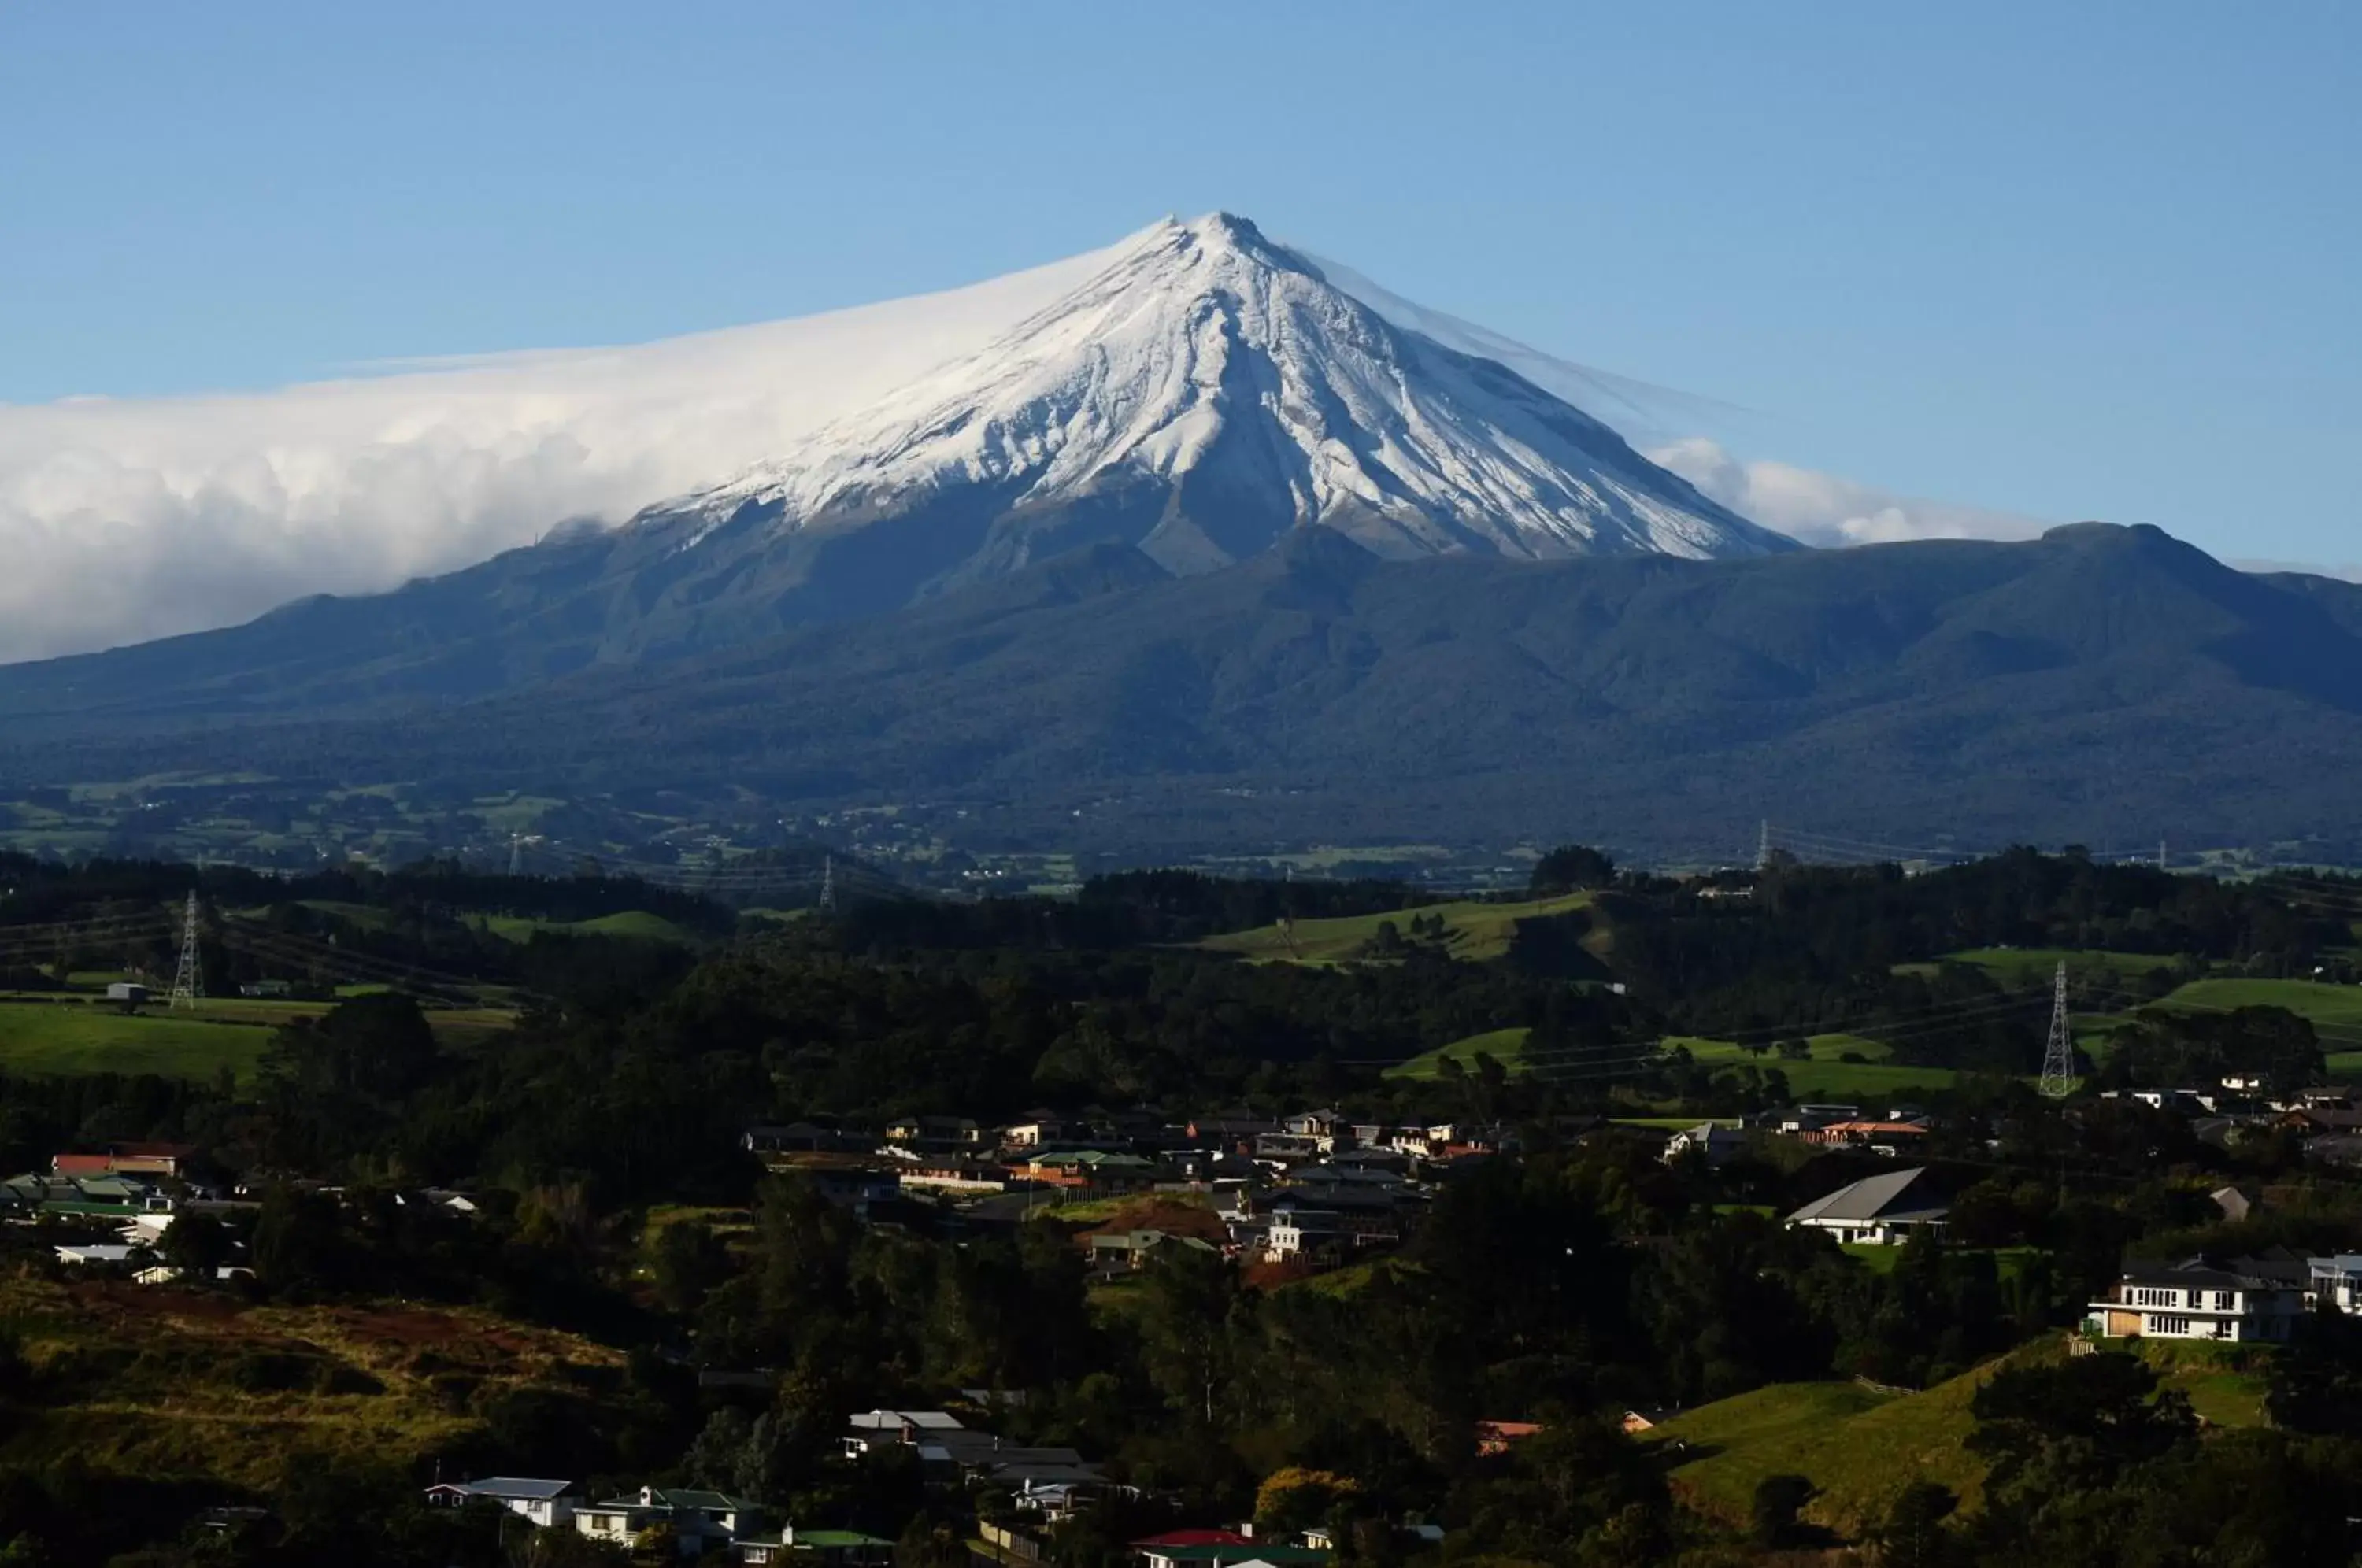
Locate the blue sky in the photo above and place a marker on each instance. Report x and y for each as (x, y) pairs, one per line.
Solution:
(2065, 262)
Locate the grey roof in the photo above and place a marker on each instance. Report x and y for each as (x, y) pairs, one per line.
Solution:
(1888, 1195)
(523, 1487)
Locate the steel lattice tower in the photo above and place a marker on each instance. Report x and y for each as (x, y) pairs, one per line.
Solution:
(2059, 1056)
(828, 885)
(188, 980)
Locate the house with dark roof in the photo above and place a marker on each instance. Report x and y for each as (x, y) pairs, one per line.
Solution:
(1222, 1549)
(2246, 1301)
(1886, 1209)
(542, 1502)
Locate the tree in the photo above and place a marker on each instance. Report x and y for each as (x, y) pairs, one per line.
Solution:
(1912, 1535)
(1570, 868)
(197, 1243)
(1778, 1500)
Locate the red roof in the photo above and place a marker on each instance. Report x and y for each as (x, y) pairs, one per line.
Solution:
(1194, 1537)
(82, 1164)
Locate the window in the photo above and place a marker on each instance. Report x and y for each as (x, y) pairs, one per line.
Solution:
(2162, 1324)
(2227, 1301)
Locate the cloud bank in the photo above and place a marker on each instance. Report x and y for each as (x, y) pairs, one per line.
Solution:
(124, 521)
(1824, 510)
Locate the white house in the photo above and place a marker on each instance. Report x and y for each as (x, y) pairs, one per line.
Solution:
(2336, 1281)
(1713, 1143)
(2192, 1301)
(1884, 1209)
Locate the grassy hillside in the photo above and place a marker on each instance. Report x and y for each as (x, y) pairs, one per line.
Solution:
(65, 1038)
(173, 1384)
(2019, 966)
(1506, 1046)
(638, 923)
(1860, 1446)
(1824, 1075)
(1473, 930)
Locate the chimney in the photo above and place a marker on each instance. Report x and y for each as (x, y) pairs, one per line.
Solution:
(910, 1430)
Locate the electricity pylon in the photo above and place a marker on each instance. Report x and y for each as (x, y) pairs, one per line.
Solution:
(2059, 1056)
(188, 980)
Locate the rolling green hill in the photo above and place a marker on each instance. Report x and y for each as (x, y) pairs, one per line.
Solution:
(1861, 1446)
(1473, 930)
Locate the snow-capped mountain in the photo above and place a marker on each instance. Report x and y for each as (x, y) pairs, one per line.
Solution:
(1202, 394)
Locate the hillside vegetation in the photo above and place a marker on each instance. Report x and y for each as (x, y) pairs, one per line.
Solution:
(1472, 930)
(1861, 1445)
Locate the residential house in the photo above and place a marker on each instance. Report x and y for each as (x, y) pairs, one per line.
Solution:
(828, 1548)
(1123, 1251)
(2191, 1300)
(1499, 1437)
(542, 1502)
(1315, 1234)
(883, 1428)
(700, 1522)
(1281, 1150)
(953, 1173)
(1318, 1124)
(2336, 1281)
(1095, 1170)
(1886, 1209)
(130, 993)
(1709, 1140)
(935, 1132)
(2234, 1204)
(127, 1159)
(1876, 1137)
(1038, 1132)
(1220, 1549)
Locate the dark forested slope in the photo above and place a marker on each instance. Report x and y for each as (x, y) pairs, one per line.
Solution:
(2105, 684)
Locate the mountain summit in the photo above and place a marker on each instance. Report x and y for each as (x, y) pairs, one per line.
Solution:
(1199, 397)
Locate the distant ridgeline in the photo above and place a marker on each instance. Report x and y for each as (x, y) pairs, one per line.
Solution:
(2101, 686)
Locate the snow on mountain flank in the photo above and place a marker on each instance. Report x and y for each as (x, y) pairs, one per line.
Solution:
(1205, 392)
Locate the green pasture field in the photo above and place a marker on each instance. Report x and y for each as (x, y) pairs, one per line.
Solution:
(638, 923)
(2018, 966)
(43, 1036)
(1473, 930)
(1822, 1075)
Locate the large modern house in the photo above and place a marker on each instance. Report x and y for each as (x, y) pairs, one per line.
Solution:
(1883, 1210)
(2249, 1300)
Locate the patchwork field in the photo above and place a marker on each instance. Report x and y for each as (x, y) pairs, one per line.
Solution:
(1473, 930)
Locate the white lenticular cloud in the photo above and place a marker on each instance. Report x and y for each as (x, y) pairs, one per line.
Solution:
(1827, 511)
(122, 521)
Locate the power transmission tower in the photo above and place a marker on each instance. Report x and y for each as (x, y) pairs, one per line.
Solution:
(2160, 855)
(1763, 846)
(828, 885)
(516, 854)
(2059, 1057)
(189, 980)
